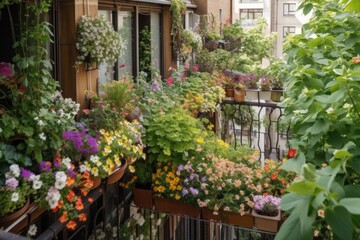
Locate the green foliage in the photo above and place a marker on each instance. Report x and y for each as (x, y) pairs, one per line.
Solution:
(323, 104)
(232, 31)
(171, 135)
(177, 11)
(145, 52)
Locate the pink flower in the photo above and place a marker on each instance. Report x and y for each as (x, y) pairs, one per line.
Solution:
(86, 111)
(170, 81)
(195, 68)
(186, 66)
(6, 69)
(122, 66)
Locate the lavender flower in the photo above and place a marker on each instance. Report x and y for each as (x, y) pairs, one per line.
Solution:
(267, 205)
(12, 183)
(203, 179)
(45, 166)
(180, 167)
(71, 173)
(194, 191)
(184, 192)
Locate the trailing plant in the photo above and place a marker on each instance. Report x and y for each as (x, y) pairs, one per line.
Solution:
(97, 41)
(177, 11)
(323, 105)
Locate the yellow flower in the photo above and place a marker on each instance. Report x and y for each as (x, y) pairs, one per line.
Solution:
(131, 168)
(200, 140)
(95, 171)
(177, 196)
(179, 188)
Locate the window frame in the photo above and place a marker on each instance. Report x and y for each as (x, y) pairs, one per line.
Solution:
(289, 12)
(285, 33)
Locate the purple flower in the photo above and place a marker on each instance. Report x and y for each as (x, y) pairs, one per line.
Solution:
(57, 164)
(6, 69)
(194, 191)
(184, 192)
(155, 86)
(203, 179)
(26, 174)
(71, 173)
(186, 181)
(180, 167)
(45, 166)
(12, 183)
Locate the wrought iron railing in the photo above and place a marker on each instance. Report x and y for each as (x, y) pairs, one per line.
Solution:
(257, 124)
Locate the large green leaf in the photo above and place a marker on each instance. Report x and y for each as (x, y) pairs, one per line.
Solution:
(340, 222)
(352, 191)
(351, 204)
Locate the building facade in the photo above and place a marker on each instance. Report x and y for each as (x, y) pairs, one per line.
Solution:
(281, 16)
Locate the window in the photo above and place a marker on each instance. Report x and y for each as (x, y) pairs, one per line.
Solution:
(289, 8)
(288, 30)
(248, 16)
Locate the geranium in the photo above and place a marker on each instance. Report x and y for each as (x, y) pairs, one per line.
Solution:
(266, 205)
(97, 41)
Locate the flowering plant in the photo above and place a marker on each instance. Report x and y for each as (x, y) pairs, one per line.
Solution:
(15, 192)
(265, 83)
(275, 179)
(97, 41)
(165, 182)
(59, 187)
(267, 205)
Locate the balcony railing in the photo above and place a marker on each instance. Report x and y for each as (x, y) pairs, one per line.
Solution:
(257, 124)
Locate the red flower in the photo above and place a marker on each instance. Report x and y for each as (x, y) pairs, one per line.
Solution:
(291, 152)
(170, 81)
(90, 200)
(82, 217)
(274, 176)
(122, 66)
(71, 225)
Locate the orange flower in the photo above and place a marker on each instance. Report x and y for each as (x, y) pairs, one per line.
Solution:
(90, 200)
(88, 183)
(82, 217)
(70, 196)
(84, 192)
(86, 175)
(79, 205)
(70, 181)
(274, 176)
(283, 181)
(63, 218)
(282, 191)
(71, 225)
(266, 168)
(60, 204)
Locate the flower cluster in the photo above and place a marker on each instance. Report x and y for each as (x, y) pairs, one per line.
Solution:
(266, 205)
(274, 179)
(166, 183)
(59, 187)
(97, 41)
(79, 144)
(15, 193)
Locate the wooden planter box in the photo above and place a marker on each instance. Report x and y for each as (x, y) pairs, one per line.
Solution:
(176, 207)
(266, 223)
(245, 221)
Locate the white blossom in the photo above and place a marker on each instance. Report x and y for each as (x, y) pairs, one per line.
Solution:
(15, 197)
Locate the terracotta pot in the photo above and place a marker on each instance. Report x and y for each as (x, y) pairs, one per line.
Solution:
(176, 207)
(208, 214)
(276, 95)
(143, 198)
(266, 223)
(239, 95)
(229, 92)
(8, 220)
(96, 182)
(117, 174)
(245, 221)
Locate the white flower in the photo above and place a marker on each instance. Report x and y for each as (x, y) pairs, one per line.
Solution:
(60, 176)
(329, 110)
(32, 230)
(347, 106)
(42, 136)
(37, 184)
(53, 197)
(41, 123)
(60, 184)
(15, 170)
(83, 168)
(67, 162)
(94, 158)
(15, 197)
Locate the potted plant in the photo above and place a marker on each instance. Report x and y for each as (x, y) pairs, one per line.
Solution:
(14, 199)
(265, 87)
(239, 92)
(277, 89)
(266, 212)
(97, 41)
(232, 34)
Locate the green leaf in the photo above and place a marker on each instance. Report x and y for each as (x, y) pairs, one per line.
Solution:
(340, 222)
(341, 154)
(351, 204)
(290, 200)
(307, 8)
(303, 188)
(308, 171)
(352, 191)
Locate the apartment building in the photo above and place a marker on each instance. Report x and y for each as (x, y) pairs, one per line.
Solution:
(281, 16)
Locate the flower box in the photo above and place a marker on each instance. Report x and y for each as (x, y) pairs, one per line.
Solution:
(143, 198)
(266, 223)
(245, 221)
(208, 214)
(176, 207)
